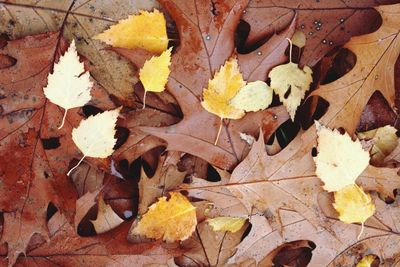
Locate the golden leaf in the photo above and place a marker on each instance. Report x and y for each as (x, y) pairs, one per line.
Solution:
(172, 220)
(155, 71)
(299, 39)
(221, 89)
(353, 204)
(147, 30)
(226, 224)
(384, 142)
(254, 96)
(291, 84)
(367, 261)
(340, 160)
(69, 85)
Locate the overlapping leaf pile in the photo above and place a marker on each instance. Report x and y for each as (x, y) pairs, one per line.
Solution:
(199, 176)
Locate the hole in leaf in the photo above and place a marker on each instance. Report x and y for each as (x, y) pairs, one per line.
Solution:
(122, 135)
(150, 160)
(7, 61)
(212, 174)
(4, 38)
(289, 90)
(338, 65)
(313, 109)
(241, 34)
(50, 143)
(51, 210)
(89, 110)
(314, 152)
(296, 254)
(85, 227)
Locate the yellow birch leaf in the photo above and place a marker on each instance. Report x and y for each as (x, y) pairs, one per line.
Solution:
(291, 84)
(299, 39)
(147, 30)
(367, 261)
(384, 142)
(254, 96)
(106, 219)
(221, 89)
(155, 71)
(340, 160)
(226, 224)
(172, 220)
(353, 204)
(69, 85)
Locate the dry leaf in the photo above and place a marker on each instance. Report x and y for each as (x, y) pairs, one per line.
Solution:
(147, 31)
(106, 219)
(340, 160)
(171, 220)
(69, 85)
(367, 261)
(254, 96)
(291, 84)
(155, 71)
(353, 204)
(384, 142)
(221, 89)
(226, 224)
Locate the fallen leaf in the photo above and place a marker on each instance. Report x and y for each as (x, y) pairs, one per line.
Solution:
(226, 224)
(367, 261)
(68, 85)
(95, 135)
(339, 160)
(147, 30)
(291, 84)
(106, 219)
(171, 220)
(221, 89)
(384, 142)
(254, 96)
(155, 71)
(299, 39)
(202, 51)
(83, 205)
(353, 204)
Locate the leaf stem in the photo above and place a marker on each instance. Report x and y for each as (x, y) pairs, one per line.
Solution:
(290, 49)
(219, 132)
(76, 166)
(63, 119)
(144, 99)
(361, 232)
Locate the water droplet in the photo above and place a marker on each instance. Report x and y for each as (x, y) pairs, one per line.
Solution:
(315, 22)
(318, 28)
(342, 20)
(208, 37)
(324, 41)
(244, 11)
(259, 53)
(310, 33)
(319, 24)
(275, 117)
(376, 77)
(302, 26)
(330, 43)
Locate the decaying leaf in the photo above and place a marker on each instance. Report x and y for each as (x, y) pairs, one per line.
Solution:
(154, 73)
(171, 220)
(106, 219)
(69, 85)
(291, 84)
(340, 160)
(147, 30)
(222, 89)
(254, 96)
(384, 142)
(353, 204)
(223, 224)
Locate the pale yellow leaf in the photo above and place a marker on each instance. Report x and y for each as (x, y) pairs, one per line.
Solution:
(340, 160)
(95, 135)
(69, 85)
(299, 39)
(291, 84)
(224, 224)
(155, 71)
(254, 96)
(106, 219)
(221, 89)
(147, 30)
(172, 220)
(384, 142)
(367, 261)
(353, 204)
